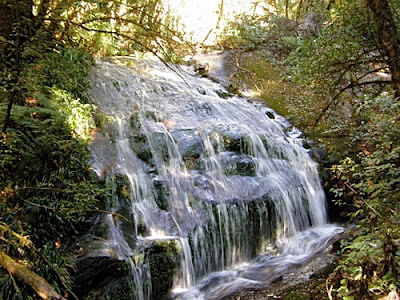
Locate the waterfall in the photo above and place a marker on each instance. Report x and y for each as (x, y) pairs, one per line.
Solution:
(214, 174)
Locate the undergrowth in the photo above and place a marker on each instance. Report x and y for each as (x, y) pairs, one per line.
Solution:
(48, 191)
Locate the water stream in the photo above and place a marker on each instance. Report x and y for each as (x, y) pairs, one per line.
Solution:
(231, 186)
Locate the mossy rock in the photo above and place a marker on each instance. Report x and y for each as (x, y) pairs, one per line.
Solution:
(122, 186)
(163, 257)
(119, 289)
(162, 193)
(102, 277)
(238, 164)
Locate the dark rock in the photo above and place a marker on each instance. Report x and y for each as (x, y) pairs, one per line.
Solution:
(118, 289)
(320, 156)
(122, 186)
(223, 94)
(142, 150)
(189, 143)
(190, 147)
(159, 146)
(164, 260)
(96, 267)
(234, 137)
(270, 115)
(99, 272)
(238, 164)
(162, 193)
(201, 69)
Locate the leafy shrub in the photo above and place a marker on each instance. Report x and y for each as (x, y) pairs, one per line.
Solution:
(277, 35)
(48, 190)
(370, 262)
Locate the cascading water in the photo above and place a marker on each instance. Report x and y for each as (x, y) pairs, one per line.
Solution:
(214, 174)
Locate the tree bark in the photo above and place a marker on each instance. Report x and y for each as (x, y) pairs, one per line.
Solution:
(388, 38)
(299, 8)
(5, 20)
(287, 9)
(16, 27)
(23, 274)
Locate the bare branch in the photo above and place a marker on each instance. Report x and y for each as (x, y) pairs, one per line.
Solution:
(68, 209)
(334, 99)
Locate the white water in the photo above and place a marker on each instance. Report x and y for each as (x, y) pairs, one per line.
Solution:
(235, 184)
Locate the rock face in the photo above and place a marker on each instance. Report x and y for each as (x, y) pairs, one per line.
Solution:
(199, 183)
(98, 271)
(100, 274)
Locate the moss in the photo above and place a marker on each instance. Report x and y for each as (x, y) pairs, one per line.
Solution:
(162, 194)
(266, 82)
(163, 257)
(122, 186)
(240, 165)
(141, 228)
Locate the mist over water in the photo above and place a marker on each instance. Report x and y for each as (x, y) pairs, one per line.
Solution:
(233, 187)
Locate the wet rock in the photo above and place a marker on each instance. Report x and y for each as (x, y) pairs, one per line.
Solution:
(190, 147)
(141, 148)
(99, 272)
(119, 289)
(320, 156)
(163, 263)
(189, 143)
(237, 164)
(223, 94)
(234, 189)
(270, 115)
(97, 267)
(120, 184)
(234, 137)
(158, 146)
(201, 69)
(162, 193)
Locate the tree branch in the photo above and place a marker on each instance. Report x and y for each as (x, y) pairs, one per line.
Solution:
(23, 274)
(349, 86)
(25, 241)
(87, 210)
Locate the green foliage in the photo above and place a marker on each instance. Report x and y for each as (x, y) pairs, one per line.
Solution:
(368, 266)
(117, 27)
(343, 69)
(375, 173)
(277, 35)
(48, 191)
(65, 69)
(78, 115)
(338, 48)
(370, 262)
(337, 64)
(294, 9)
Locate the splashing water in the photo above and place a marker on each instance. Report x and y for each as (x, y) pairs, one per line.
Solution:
(213, 173)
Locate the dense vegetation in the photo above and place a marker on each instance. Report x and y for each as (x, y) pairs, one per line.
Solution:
(329, 66)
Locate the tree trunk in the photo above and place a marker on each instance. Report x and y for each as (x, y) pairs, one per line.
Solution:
(23, 274)
(388, 37)
(300, 7)
(287, 9)
(5, 20)
(16, 17)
